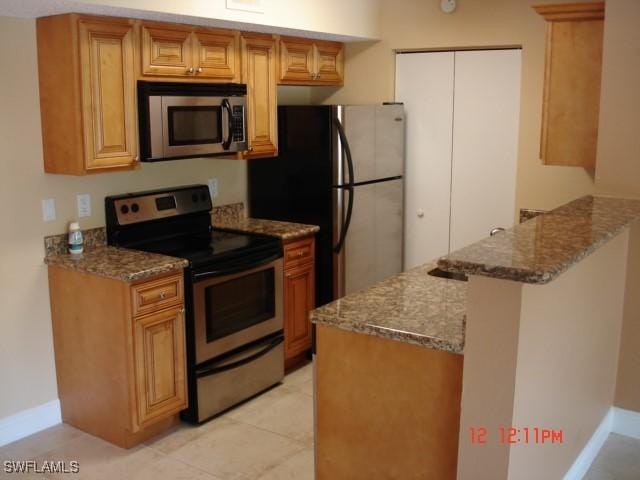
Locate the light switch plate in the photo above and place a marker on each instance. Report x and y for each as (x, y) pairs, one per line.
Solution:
(213, 187)
(84, 205)
(48, 210)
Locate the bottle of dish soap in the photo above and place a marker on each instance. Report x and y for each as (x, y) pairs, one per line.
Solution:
(76, 242)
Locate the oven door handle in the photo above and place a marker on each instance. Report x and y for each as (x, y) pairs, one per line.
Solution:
(236, 267)
(242, 361)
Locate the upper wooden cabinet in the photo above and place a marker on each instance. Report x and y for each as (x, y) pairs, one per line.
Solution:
(182, 51)
(87, 94)
(573, 67)
(259, 63)
(310, 62)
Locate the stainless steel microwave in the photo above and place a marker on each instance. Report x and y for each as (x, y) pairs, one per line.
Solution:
(182, 120)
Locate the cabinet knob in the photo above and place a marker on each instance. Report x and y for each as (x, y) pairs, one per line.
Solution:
(317, 76)
(251, 149)
(199, 70)
(420, 213)
(182, 311)
(190, 71)
(300, 254)
(163, 295)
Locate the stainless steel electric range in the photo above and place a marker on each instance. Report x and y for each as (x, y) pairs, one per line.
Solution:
(233, 293)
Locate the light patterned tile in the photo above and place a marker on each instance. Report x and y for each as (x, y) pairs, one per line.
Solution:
(34, 445)
(236, 451)
(298, 377)
(298, 467)
(285, 412)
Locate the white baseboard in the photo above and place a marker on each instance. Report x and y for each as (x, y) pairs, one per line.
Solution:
(626, 422)
(29, 421)
(590, 451)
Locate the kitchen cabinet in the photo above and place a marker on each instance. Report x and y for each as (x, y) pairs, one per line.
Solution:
(299, 298)
(310, 62)
(259, 63)
(460, 173)
(186, 52)
(571, 99)
(120, 353)
(87, 94)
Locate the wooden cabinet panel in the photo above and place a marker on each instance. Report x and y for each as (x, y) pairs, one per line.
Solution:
(573, 66)
(310, 62)
(299, 252)
(259, 73)
(87, 94)
(299, 294)
(297, 60)
(108, 94)
(159, 365)
(329, 63)
(166, 50)
(156, 294)
(216, 54)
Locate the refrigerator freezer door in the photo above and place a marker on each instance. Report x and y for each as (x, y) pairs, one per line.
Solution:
(373, 248)
(375, 134)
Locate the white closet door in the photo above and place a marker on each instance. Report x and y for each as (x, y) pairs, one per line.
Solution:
(485, 143)
(424, 83)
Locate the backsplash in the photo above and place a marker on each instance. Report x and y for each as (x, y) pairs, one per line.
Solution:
(94, 237)
(529, 213)
(228, 213)
(57, 244)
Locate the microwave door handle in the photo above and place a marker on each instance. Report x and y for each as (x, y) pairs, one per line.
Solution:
(227, 106)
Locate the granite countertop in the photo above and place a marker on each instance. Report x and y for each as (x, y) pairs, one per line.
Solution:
(411, 307)
(282, 230)
(539, 250)
(117, 263)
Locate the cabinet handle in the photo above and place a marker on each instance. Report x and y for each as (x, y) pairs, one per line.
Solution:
(300, 254)
(163, 294)
(251, 149)
(190, 71)
(182, 311)
(317, 76)
(199, 70)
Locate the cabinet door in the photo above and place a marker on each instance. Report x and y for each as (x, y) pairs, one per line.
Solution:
(159, 358)
(573, 67)
(259, 73)
(216, 55)
(299, 300)
(166, 50)
(329, 63)
(108, 95)
(297, 61)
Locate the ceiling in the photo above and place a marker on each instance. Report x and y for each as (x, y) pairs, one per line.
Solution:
(43, 8)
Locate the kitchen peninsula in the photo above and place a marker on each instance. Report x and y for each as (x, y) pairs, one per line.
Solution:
(531, 341)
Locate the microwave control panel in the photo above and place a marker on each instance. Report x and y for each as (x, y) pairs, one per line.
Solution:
(237, 122)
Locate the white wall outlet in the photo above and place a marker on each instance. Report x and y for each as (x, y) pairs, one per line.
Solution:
(213, 187)
(84, 205)
(48, 210)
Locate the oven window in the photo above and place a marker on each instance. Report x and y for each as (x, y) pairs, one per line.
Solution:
(239, 303)
(194, 125)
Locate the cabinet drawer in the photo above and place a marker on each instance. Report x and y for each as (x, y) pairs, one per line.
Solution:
(299, 253)
(156, 294)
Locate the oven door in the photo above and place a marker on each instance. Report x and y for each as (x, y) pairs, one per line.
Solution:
(234, 309)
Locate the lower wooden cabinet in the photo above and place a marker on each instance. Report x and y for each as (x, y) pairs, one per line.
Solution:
(299, 298)
(159, 364)
(121, 375)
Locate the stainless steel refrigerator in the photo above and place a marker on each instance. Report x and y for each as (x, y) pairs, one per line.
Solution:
(339, 167)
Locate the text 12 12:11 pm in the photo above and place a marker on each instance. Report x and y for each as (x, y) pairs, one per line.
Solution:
(514, 436)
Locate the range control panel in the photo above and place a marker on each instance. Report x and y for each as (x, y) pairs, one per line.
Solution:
(146, 206)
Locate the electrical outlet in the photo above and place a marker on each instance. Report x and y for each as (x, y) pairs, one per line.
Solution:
(84, 205)
(48, 210)
(213, 187)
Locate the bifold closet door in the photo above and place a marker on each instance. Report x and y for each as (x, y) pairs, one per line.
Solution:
(424, 83)
(485, 143)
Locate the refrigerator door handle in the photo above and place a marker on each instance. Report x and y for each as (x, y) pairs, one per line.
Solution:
(348, 186)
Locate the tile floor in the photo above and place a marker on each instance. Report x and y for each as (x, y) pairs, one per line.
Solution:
(267, 438)
(619, 459)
